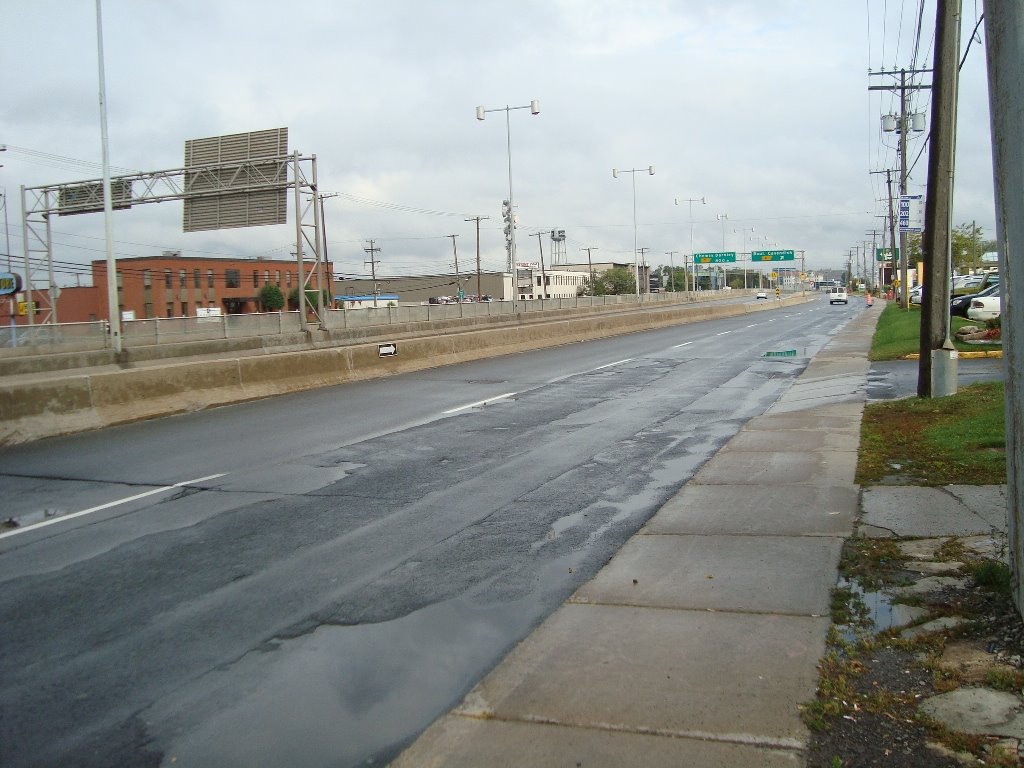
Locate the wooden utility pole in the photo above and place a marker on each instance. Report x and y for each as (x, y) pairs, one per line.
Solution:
(590, 264)
(543, 276)
(478, 219)
(672, 271)
(937, 364)
(373, 269)
(458, 277)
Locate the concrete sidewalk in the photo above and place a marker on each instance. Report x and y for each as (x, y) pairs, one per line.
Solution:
(698, 641)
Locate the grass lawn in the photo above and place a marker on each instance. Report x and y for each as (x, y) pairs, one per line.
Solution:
(899, 332)
(936, 441)
(956, 440)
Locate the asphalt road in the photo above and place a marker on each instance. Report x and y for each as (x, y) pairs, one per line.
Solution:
(310, 580)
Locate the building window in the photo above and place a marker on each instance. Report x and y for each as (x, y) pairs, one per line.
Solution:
(167, 280)
(266, 277)
(277, 277)
(147, 279)
(184, 309)
(147, 309)
(197, 278)
(170, 309)
(181, 278)
(209, 278)
(255, 278)
(232, 278)
(288, 279)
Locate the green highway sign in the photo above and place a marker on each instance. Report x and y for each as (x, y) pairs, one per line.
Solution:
(885, 254)
(722, 257)
(772, 256)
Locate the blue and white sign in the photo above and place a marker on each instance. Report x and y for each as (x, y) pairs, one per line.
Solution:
(911, 213)
(10, 282)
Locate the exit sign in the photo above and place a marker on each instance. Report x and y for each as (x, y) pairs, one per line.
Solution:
(773, 256)
(721, 257)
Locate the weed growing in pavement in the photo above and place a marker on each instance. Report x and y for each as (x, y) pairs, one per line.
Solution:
(871, 562)
(1005, 679)
(992, 575)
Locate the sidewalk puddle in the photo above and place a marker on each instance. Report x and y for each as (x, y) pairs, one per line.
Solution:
(874, 611)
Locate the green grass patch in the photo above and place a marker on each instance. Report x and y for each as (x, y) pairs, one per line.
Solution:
(959, 439)
(898, 333)
(993, 575)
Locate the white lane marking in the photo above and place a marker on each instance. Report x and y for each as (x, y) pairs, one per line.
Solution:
(609, 365)
(723, 333)
(684, 344)
(753, 326)
(489, 400)
(108, 505)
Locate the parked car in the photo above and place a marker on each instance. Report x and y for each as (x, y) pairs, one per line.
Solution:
(915, 294)
(838, 295)
(960, 304)
(761, 295)
(984, 307)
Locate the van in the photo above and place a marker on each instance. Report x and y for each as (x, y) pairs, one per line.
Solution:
(838, 295)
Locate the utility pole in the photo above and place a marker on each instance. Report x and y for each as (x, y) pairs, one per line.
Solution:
(373, 269)
(937, 361)
(1004, 32)
(646, 271)
(873, 260)
(672, 270)
(590, 264)
(543, 276)
(478, 219)
(903, 127)
(904, 293)
(458, 277)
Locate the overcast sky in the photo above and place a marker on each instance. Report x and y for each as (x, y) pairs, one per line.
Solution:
(760, 106)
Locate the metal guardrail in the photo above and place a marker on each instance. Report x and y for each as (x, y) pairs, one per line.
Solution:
(62, 337)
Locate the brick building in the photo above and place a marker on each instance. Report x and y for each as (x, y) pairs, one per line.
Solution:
(172, 285)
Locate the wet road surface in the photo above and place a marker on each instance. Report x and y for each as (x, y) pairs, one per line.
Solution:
(310, 580)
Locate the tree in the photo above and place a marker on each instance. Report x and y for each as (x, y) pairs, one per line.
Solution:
(293, 299)
(617, 280)
(271, 298)
(967, 247)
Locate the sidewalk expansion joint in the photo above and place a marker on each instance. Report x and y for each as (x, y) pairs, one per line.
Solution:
(679, 609)
(743, 535)
(745, 739)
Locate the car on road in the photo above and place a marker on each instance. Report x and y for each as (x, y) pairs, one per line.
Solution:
(761, 295)
(838, 295)
(984, 307)
(959, 305)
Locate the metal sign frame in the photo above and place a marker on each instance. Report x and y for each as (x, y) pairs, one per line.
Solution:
(295, 171)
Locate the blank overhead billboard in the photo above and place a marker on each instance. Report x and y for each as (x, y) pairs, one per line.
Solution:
(238, 180)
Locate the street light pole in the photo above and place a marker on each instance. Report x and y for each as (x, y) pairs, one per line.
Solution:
(636, 262)
(722, 218)
(691, 201)
(744, 230)
(534, 107)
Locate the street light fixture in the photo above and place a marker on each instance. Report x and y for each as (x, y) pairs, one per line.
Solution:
(632, 172)
(691, 201)
(534, 107)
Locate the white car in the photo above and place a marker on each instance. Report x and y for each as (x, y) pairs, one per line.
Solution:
(984, 307)
(838, 296)
(761, 295)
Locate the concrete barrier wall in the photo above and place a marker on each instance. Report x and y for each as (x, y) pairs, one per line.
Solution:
(78, 402)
